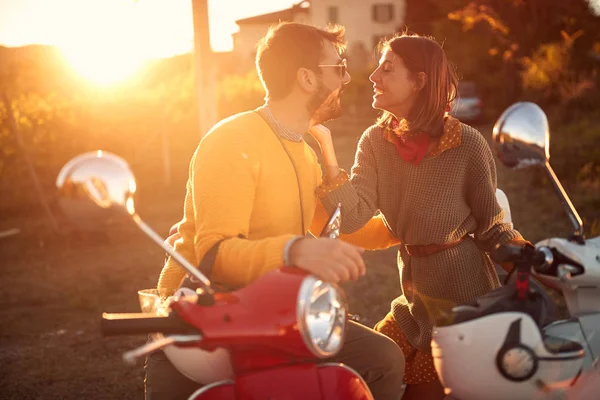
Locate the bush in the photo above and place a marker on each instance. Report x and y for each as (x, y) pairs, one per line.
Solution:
(237, 93)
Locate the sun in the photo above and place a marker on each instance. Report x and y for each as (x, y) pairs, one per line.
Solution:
(105, 46)
(104, 64)
(108, 41)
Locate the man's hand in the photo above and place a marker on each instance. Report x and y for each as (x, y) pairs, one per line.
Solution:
(173, 237)
(330, 259)
(173, 234)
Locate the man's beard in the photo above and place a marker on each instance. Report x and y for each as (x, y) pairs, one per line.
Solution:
(324, 105)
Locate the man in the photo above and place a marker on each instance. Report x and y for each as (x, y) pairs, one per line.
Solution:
(251, 196)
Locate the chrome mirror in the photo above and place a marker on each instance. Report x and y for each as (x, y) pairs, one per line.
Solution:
(98, 186)
(96, 189)
(521, 138)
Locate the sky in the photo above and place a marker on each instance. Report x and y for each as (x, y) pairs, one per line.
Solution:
(108, 40)
(155, 28)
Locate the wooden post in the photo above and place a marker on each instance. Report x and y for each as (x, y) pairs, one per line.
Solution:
(12, 125)
(204, 67)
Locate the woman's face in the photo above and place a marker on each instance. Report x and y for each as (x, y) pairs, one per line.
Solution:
(393, 84)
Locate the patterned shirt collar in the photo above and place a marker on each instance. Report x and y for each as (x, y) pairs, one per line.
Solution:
(280, 129)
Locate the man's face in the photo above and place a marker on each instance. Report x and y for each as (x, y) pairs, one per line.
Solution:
(325, 103)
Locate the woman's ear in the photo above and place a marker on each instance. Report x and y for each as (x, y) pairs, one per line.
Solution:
(307, 80)
(420, 81)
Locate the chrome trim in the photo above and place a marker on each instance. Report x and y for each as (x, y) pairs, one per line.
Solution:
(548, 259)
(303, 303)
(348, 369)
(206, 388)
(131, 356)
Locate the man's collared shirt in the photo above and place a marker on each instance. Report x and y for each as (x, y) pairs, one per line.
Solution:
(280, 129)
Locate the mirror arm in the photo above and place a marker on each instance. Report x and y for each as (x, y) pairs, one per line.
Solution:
(193, 271)
(564, 199)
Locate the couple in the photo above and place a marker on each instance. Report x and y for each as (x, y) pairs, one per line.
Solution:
(421, 180)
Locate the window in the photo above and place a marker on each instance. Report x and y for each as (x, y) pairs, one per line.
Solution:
(333, 15)
(383, 12)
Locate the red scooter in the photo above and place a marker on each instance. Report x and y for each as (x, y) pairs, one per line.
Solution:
(263, 341)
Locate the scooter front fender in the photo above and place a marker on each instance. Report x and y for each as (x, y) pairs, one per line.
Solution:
(295, 382)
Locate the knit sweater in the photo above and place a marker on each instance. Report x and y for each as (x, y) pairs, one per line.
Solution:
(441, 200)
(242, 187)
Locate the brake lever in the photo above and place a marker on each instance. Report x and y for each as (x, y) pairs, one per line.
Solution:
(131, 356)
(565, 272)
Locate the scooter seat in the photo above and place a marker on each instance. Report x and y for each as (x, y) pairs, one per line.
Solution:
(558, 345)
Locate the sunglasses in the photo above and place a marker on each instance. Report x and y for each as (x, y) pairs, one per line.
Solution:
(343, 66)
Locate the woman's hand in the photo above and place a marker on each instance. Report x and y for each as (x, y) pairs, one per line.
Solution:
(323, 136)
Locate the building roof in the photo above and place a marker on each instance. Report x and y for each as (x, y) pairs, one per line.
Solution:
(274, 17)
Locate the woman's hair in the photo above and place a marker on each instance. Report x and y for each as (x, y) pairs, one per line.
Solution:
(423, 54)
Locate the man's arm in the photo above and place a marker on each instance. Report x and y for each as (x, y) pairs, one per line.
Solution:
(224, 176)
(225, 172)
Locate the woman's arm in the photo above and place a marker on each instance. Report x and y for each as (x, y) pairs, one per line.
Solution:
(323, 137)
(375, 235)
(481, 197)
(358, 194)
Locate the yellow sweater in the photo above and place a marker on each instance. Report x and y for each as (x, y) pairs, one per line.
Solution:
(241, 182)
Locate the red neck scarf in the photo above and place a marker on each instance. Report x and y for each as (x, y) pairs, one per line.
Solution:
(411, 148)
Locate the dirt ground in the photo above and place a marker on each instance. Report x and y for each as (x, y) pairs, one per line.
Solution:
(54, 289)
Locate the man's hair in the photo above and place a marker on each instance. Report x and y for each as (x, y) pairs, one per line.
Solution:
(424, 54)
(289, 46)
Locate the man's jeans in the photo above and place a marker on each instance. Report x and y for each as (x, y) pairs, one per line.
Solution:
(374, 356)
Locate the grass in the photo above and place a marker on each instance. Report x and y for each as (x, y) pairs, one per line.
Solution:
(54, 289)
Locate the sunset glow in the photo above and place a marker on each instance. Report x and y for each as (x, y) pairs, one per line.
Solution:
(106, 41)
(103, 64)
(114, 38)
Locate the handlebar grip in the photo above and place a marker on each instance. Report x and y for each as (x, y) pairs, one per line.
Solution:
(143, 323)
(506, 253)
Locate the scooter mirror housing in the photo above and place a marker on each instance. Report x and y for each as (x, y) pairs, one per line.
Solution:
(521, 138)
(96, 189)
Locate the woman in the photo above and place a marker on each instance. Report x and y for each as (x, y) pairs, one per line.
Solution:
(433, 179)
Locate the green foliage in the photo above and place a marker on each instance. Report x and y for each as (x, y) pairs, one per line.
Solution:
(58, 116)
(521, 49)
(237, 93)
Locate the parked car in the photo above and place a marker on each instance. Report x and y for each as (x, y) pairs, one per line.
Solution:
(468, 106)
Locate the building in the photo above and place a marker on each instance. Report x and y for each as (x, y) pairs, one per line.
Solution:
(254, 28)
(366, 22)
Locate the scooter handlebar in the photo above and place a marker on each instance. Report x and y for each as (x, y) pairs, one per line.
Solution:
(143, 323)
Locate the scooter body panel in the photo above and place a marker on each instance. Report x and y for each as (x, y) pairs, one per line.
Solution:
(571, 330)
(582, 292)
(295, 382)
(590, 324)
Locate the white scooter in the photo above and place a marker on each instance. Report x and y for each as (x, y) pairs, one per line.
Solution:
(502, 346)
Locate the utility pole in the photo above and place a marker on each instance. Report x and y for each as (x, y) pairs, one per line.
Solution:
(204, 67)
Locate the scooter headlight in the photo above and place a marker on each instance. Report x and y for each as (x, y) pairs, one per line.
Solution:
(321, 316)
